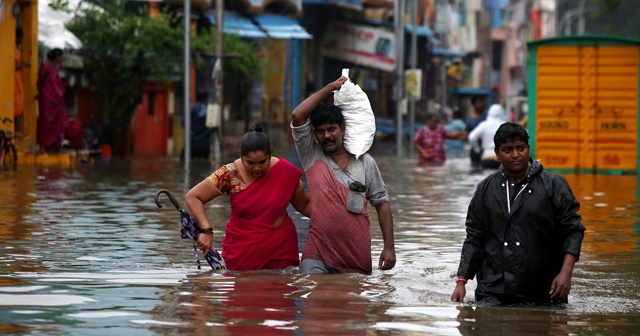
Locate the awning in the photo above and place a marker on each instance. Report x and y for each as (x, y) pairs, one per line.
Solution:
(420, 30)
(467, 91)
(423, 31)
(447, 53)
(234, 23)
(281, 27)
(355, 4)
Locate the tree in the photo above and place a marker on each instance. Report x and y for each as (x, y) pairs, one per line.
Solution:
(607, 17)
(123, 49)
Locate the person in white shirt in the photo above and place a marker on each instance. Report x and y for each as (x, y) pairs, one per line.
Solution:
(485, 132)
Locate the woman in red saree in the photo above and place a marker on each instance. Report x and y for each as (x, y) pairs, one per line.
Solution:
(260, 234)
(52, 112)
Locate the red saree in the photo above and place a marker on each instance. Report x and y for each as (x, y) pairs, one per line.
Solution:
(52, 112)
(252, 241)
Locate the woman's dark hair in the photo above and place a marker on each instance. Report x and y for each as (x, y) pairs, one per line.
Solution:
(431, 115)
(54, 53)
(455, 113)
(255, 140)
(326, 113)
(510, 131)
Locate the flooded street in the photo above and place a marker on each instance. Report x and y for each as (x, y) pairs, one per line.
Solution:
(85, 251)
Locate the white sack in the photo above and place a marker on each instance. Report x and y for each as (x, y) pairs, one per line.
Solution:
(358, 118)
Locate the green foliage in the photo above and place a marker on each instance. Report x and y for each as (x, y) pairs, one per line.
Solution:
(240, 60)
(613, 17)
(246, 63)
(61, 5)
(122, 50)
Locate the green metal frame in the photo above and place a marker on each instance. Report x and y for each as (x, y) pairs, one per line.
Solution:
(532, 71)
(585, 40)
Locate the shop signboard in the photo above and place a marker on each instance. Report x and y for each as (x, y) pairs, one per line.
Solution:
(413, 83)
(359, 44)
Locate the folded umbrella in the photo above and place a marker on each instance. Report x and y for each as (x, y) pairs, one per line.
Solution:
(189, 228)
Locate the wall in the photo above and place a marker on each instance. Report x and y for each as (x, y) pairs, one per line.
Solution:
(27, 14)
(7, 63)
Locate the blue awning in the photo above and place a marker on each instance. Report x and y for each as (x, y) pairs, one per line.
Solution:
(472, 91)
(356, 4)
(447, 53)
(420, 30)
(423, 31)
(234, 23)
(282, 27)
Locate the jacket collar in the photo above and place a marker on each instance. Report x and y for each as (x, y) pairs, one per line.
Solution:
(534, 169)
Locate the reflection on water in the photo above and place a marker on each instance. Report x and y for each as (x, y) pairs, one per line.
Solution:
(84, 250)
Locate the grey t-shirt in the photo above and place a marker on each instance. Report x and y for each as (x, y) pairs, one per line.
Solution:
(364, 170)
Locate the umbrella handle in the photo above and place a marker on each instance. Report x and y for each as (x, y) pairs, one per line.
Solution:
(171, 198)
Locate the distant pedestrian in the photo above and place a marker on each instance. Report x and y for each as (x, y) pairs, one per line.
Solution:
(429, 141)
(454, 147)
(200, 134)
(481, 138)
(524, 232)
(476, 116)
(52, 111)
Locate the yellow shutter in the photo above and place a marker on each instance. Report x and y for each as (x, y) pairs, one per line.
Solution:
(586, 116)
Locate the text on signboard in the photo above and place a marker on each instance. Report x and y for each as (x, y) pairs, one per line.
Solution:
(554, 125)
(613, 126)
(612, 160)
(556, 160)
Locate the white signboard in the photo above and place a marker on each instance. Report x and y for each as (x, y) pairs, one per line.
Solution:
(413, 83)
(362, 45)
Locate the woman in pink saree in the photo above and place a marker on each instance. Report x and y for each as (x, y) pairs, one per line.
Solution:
(52, 112)
(260, 234)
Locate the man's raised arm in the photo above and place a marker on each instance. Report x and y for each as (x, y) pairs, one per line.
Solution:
(303, 111)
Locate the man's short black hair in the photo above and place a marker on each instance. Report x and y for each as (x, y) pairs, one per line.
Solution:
(326, 113)
(477, 97)
(510, 131)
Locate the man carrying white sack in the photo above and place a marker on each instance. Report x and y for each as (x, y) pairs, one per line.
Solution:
(339, 238)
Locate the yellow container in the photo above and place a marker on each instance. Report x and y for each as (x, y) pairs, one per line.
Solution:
(583, 103)
(62, 158)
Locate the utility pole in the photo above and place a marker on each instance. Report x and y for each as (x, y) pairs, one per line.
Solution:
(216, 133)
(413, 62)
(398, 10)
(187, 84)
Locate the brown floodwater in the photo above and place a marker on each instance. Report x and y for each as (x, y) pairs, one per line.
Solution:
(85, 251)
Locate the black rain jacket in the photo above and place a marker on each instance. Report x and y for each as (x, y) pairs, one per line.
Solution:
(516, 248)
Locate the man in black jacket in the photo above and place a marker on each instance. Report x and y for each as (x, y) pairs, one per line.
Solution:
(523, 230)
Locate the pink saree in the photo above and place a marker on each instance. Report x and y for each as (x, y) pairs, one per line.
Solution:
(252, 241)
